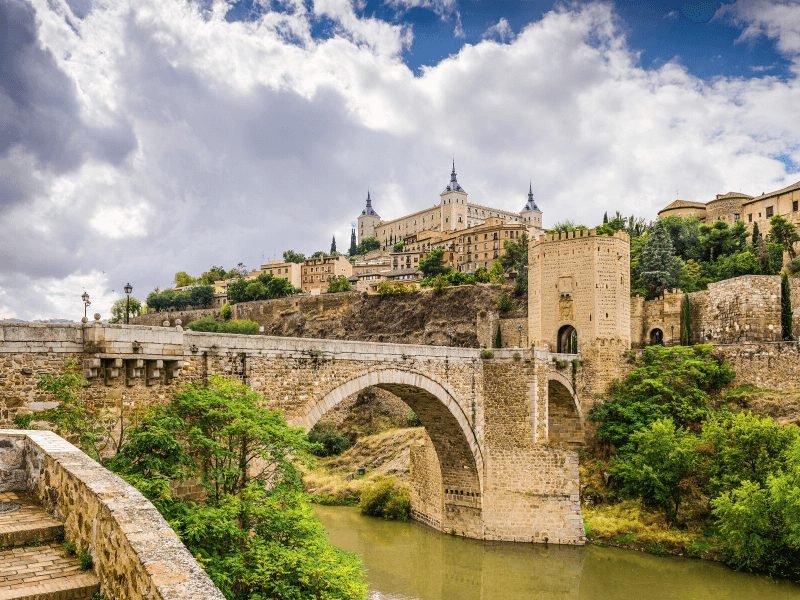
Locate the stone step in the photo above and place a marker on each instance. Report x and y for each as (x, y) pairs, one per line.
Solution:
(25, 523)
(44, 573)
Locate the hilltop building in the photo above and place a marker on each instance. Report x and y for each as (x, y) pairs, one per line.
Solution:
(737, 206)
(452, 213)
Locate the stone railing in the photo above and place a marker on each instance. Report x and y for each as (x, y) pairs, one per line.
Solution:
(135, 552)
(548, 356)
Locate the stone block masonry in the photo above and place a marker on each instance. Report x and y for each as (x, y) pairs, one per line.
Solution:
(471, 407)
(135, 553)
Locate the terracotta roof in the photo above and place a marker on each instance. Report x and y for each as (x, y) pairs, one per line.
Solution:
(788, 188)
(682, 204)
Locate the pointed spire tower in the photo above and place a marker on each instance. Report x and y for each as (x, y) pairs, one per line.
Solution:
(368, 220)
(531, 214)
(453, 205)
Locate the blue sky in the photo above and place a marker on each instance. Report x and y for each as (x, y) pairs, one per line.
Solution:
(143, 137)
(661, 30)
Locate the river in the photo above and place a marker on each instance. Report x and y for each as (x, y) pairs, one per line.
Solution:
(408, 561)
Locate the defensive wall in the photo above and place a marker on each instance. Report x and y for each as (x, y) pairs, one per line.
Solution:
(503, 428)
(136, 554)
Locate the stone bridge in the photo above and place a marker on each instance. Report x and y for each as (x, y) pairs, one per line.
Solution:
(502, 462)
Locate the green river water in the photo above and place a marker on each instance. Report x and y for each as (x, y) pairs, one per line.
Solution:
(406, 561)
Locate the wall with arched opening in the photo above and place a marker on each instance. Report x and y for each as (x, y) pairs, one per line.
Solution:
(564, 417)
(458, 504)
(567, 340)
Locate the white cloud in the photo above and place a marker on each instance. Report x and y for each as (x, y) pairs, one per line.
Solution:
(778, 20)
(204, 141)
(500, 31)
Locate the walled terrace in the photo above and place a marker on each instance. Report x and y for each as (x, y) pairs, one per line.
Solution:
(503, 427)
(135, 553)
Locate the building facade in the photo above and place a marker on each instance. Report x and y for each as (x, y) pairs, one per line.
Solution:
(284, 270)
(317, 272)
(453, 213)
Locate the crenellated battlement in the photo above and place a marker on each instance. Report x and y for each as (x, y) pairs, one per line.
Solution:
(561, 236)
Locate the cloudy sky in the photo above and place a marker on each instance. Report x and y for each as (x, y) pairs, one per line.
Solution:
(145, 137)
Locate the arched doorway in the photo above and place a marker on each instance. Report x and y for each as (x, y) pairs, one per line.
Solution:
(564, 420)
(656, 337)
(456, 504)
(567, 342)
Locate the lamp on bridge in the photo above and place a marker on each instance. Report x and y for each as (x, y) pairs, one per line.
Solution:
(86, 303)
(128, 289)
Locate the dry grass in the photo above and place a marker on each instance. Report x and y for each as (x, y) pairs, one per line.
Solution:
(627, 525)
(335, 480)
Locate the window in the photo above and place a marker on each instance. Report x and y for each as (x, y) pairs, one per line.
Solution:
(750, 218)
(736, 217)
(770, 211)
(794, 206)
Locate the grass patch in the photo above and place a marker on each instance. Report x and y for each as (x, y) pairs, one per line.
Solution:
(627, 525)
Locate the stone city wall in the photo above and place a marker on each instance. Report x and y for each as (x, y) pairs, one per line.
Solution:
(774, 366)
(136, 554)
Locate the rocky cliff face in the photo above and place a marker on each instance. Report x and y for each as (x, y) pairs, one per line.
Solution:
(448, 318)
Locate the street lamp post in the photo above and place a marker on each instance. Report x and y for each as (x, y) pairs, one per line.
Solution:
(86, 303)
(128, 290)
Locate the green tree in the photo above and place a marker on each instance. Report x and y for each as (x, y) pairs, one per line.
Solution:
(398, 247)
(504, 303)
(667, 382)
(134, 309)
(691, 277)
(657, 465)
(744, 447)
(515, 259)
(433, 264)
(183, 279)
(333, 246)
(215, 273)
(263, 287)
(98, 431)
(339, 283)
(756, 239)
(659, 268)
(290, 256)
(686, 321)
(498, 338)
(367, 245)
(784, 233)
(786, 308)
(759, 524)
(566, 227)
(318, 254)
(256, 534)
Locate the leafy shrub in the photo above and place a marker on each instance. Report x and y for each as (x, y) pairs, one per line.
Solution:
(226, 312)
(388, 288)
(386, 498)
(85, 559)
(328, 440)
(339, 283)
(504, 303)
(210, 324)
(412, 420)
(794, 266)
(23, 421)
(487, 354)
(263, 287)
(673, 383)
(197, 296)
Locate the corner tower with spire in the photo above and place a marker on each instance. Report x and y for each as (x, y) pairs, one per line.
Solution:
(531, 215)
(453, 204)
(368, 221)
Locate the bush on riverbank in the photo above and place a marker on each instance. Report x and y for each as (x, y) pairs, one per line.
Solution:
(328, 440)
(727, 483)
(386, 498)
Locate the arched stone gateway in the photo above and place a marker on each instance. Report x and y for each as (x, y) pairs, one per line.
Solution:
(456, 445)
(567, 340)
(656, 337)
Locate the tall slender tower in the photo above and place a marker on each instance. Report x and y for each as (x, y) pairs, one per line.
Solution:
(453, 204)
(531, 215)
(368, 221)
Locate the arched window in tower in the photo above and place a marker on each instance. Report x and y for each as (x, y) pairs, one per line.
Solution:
(656, 337)
(567, 342)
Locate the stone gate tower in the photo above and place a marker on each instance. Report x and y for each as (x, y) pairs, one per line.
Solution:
(579, 291)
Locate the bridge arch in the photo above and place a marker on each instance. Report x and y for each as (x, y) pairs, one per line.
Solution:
(437, 409)
(565, 423)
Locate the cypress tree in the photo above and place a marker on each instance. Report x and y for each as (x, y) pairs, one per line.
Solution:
(605, 218)
(686, 322)
(786, 309)
(333, 245)
(498, 338)
(659, 268)
(755, 236)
